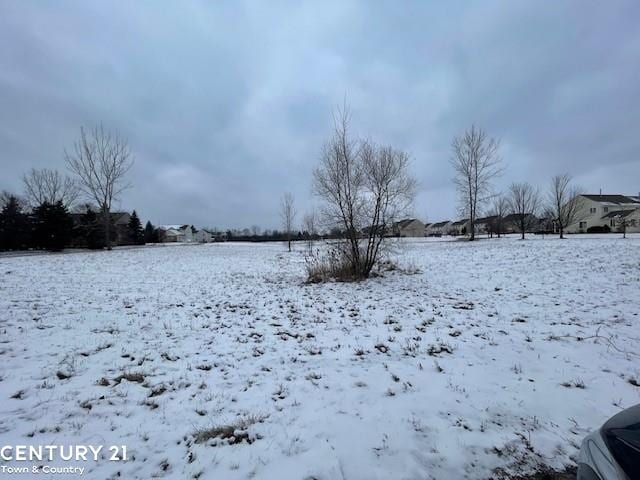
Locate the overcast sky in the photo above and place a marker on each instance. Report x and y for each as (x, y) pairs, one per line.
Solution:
(226, 104)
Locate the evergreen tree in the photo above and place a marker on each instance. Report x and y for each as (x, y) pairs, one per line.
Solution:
(150, 233)
(52, 226)
(136, 234)
(94, 230)
(14, 226)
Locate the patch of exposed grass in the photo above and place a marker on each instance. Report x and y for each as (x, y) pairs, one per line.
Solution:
(437, 349)
(232, 433)
(157, 391)
(19, 395)
(129, 377)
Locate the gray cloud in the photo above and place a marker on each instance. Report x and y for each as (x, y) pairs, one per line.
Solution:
(226, 104)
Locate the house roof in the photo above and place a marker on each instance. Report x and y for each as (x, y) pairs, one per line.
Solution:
(486, 219)
(405, 222)
(619, 213)
(440, 224)
(120, 218)
(460, 222)
(514, 217)
(173, 227)
(618, 199)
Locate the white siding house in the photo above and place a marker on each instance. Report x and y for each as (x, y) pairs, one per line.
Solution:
(437, 229)
(461, 227)
(203, 236)
(409, 227)
(485, 224)
(176, 233)
(594, 211)
(624, 220)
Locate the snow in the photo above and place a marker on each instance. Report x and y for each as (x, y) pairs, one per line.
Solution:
(475, 363)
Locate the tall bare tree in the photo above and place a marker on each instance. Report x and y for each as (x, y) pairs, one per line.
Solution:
(524, 202)
(476, 164)
(365, 188)
(564, 201)
(288, 214)
(101, 160)
(499, 210)
(50, 186)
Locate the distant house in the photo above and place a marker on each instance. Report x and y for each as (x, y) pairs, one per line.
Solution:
(486, 225)
(409, 227)
(461, 227)
(594, 211)
(547, 225)
(120, 220)
(176, 233)
(624, 220)
(119, 225)
(511, 223)
(438, 229)
(203, 236)
(217, 236)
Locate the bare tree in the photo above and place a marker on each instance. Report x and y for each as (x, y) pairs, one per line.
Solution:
(364, 188)
(622, 222)
(524, 202)
(476, 164)
(499, 210)
(288, 214)
(101, 160)
(564, 201)
(310, 228)
(50, 186)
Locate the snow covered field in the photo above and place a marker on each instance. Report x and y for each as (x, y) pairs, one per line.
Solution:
(484, 359)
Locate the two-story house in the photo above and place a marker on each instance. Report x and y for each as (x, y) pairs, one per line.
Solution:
(596, 210)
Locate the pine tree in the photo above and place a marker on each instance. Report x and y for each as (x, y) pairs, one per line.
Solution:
(15, 231)
(94, 230)
(136, 235)
(52, 226)
(150, 233)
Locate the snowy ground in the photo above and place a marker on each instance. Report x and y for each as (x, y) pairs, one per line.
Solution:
(483, 360)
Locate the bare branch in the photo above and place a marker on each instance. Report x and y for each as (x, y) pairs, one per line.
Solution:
(50, 186)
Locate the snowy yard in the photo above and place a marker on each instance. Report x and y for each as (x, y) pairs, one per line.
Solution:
(484, 359)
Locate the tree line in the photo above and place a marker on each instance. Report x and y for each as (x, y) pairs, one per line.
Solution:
(47, 216)
(51, 226)
(477, 164)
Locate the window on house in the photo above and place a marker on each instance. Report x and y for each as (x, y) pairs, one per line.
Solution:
(605, 209)
(592, 210)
